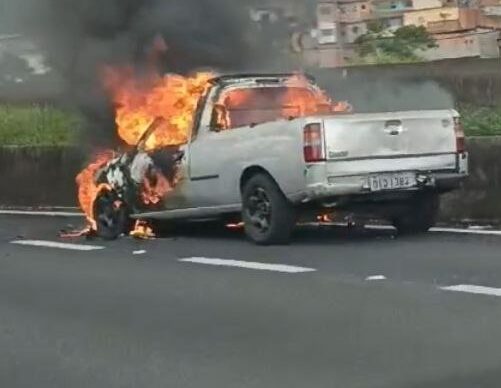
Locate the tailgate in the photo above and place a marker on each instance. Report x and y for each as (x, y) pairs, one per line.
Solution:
(415, 140)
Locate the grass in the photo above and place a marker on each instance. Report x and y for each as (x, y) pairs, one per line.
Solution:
(481, 120)
(41, 125)
(37, 125)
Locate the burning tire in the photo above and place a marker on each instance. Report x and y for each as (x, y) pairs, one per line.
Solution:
(111, 215)
(420, 216)
(267, 215)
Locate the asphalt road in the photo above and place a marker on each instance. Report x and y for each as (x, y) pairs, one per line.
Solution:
(110, 318)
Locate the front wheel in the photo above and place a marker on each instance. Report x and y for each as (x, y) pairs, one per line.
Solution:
(111, 215)
(268, 216)
(420, 216)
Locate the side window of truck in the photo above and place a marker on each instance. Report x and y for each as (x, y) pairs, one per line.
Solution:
(253, 106)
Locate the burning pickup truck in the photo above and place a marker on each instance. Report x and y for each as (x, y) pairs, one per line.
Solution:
(274, 149)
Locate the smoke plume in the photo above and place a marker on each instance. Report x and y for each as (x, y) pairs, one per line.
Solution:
(80, 36)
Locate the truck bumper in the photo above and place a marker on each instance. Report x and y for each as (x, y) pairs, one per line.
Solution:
(331, 188)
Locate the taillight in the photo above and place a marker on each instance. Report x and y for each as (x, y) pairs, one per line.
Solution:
(459, 131)
(314, 147)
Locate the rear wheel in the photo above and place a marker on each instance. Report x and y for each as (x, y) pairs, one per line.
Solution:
(111, 215)
(267, 215)
(420, 215)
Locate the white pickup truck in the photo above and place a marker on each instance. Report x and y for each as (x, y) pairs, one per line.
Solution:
(273, 170)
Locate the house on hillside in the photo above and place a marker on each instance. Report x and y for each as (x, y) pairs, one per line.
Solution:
(462, 28)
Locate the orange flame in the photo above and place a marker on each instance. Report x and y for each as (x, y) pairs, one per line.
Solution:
(142, 231)
(298, 100)
(154, 188)
(326, 218)
(139, 101)
(88, 189)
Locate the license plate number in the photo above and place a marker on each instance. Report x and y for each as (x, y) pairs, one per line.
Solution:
(391, 181)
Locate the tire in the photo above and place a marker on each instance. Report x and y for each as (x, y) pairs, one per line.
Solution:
(111, 215)
(420, 215)
(267, 215)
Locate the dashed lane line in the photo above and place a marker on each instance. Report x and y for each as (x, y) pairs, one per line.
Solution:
(467, 231)
(57, 245)
(41, 213)
(248, 265)
(473, 289)
(375, 277)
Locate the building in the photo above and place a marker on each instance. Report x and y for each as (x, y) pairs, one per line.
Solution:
(462, 28)
(490, 14)
(443, 19)
(475, 43)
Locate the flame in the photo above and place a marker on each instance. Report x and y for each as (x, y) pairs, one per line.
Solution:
(235, 226)
(87, 187)
(326, 218)
(298, 100)
(319, 103)
(155, 187)
(141, 100)
(166, 104)
(142, 230)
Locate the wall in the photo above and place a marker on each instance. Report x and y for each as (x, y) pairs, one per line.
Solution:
(490, 21)
(480, 197)
(421, 85)
(326, 15)
(39, 176)
(46, 177)
(353, 30)
(489, 44)
(326, 57)
(468, 19)
(423, 17)
(388, 6)
(457, 46)
(355, 11)
(424, 4)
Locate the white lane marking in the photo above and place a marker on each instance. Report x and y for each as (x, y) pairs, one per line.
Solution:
(375, 277)
(40, 213)
(248, 265)
(58, 245)
(466, 231)
(380, 227)
(140, 252)
(443, 230)
(472, 289)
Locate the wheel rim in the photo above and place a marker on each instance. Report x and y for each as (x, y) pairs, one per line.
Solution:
(109, 211)
(259, 209)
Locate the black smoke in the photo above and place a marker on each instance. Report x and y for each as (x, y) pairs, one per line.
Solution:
(80, 36)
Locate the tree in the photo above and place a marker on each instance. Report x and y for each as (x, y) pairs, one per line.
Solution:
(379, 45)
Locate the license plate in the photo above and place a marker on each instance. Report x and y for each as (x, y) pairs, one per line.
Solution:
(392, 181)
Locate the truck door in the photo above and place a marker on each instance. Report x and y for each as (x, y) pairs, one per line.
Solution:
(208, 151)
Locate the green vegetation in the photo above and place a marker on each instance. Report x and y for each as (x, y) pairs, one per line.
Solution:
(380, 45)
(481, 120)
(37, 125)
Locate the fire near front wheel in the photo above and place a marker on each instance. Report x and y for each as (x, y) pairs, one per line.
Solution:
(267, 215)
(110, 214)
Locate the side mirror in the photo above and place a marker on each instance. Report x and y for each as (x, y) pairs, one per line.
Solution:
(220, 119)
